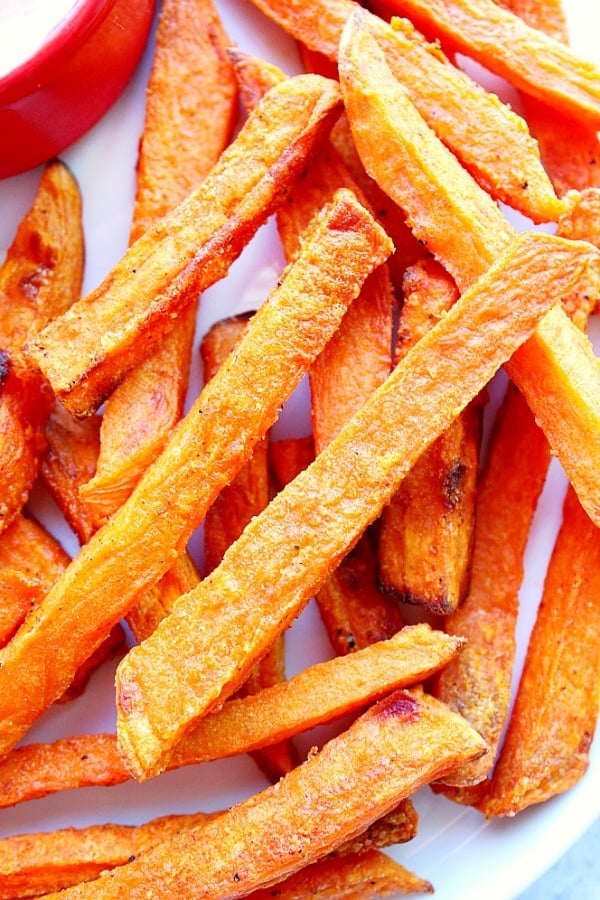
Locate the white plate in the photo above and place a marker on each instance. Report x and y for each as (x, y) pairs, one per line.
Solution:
(463, 855)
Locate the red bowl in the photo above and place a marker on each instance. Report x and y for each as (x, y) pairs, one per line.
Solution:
(57, 93)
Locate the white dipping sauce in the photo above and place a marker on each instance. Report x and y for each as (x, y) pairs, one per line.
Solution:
(25, 26)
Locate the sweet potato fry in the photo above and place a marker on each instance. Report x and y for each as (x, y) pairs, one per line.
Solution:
(363, 876)
(18, 596)
(186, 251)
(29, 548)
(191, 106)
(503, 43)
(319, 694)
(39, 278)
(544, 752)
(568, 407)
(42, 272)
(398, 745)
(545, 15)
(287, 551)
(68, 463)
(139, 543)
(349, 369)
(23, 410)
(290, 456)
(225, 520)
(426, 532)
(34, 864)
(478, 685)
(471, 119)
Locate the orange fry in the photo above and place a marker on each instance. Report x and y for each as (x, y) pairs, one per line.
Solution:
(352, 365)
(397, 746)
(287, 551)
(18, 596)
(501, 41)
(190, 72)
(139, 543)
(319, 694)
(544, 752)
(225, 520)
(479, 683)
(187, 250)
(472, 118)
(39, 278)
(34, 864)
(363, 876)
(465, 231)
(426, 532)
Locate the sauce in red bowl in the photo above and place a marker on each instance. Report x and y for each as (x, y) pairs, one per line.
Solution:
(63, 63)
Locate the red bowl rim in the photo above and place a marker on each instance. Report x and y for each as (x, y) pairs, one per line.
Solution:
(62, 41)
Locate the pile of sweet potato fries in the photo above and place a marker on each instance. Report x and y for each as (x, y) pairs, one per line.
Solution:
(405, 291)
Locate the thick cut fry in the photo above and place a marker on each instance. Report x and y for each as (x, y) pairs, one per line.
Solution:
(364, 876)
(398, 745)
(42, 272)
(191, 105)
(544, 752)
(140, 543)
(248, 493)
(190, 108)
(39, 278)
(352, 365)
(472, 120)
(478, 685)
(34, 864)
(503, 43)
(319, 694)
(466, 235)
(225, 520)
(18, 596)
(159, 600)
(187, 250)
(68, 463)
(287, 551)
(426, 532)
(290, 456)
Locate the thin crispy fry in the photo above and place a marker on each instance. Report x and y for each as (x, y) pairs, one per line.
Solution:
(188, 250)
(478, 685)
(398, 745)
(34, 864)
(225, 520)
(191, 105)
(472, 118)
(287, 551)
(465, 231)
(426, 533)
(503, 43)
(139, 543)
(544, 752)
(363, 876)
(319, 694)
